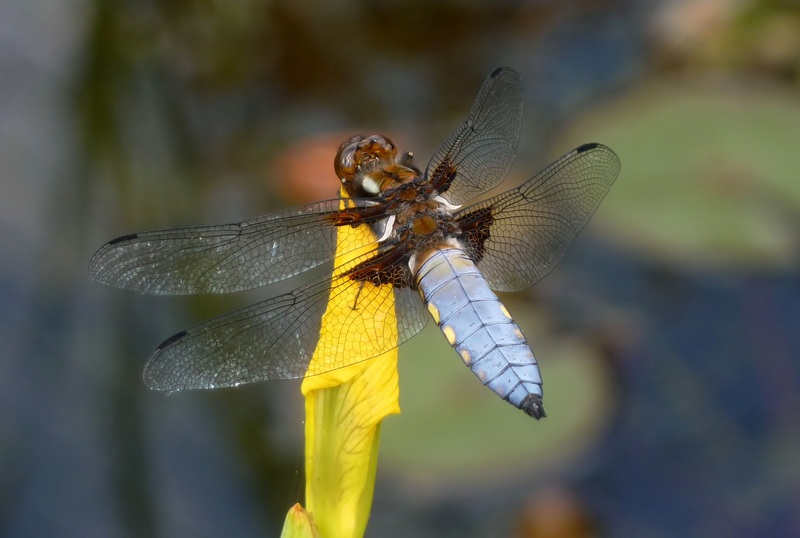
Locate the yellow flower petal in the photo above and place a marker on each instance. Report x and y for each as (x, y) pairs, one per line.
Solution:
(344, 410)
(342, 434)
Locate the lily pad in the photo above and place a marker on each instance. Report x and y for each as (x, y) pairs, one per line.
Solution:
(710, 174)
(453, 429)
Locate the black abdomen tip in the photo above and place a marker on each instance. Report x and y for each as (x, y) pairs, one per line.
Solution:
(532, 405)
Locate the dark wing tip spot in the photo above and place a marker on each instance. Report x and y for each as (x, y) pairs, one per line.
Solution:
(532, 405)
(171, 340)
(586, 147)
(123, 238)
(497, 71)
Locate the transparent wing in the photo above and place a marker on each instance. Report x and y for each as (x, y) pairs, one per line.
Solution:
(519, 236)
(229, 257)
(477, 156)
(275, 339)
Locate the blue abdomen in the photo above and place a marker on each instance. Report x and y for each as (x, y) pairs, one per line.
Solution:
(480, 328)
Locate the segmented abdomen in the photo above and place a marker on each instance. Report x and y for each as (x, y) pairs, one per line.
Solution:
(480, 328)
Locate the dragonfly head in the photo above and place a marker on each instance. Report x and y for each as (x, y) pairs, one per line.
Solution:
(368, 165)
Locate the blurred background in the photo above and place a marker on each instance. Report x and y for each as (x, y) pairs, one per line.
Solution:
(669, 337)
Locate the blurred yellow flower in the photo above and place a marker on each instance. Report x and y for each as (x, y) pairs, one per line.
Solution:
(344, 411)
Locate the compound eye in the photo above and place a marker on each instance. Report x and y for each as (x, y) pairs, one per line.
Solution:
(347, 161)
(379, 148)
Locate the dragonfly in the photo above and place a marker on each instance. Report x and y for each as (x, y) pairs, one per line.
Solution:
(427, 251)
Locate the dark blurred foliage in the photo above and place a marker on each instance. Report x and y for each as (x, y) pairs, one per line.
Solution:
(123, 115)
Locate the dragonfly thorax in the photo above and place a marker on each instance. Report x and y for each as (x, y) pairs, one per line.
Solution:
(425, 220)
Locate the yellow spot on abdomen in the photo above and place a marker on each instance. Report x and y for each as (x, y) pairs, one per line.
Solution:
(466, 357)
(450, 334)
(434, 312)
(505, 311)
